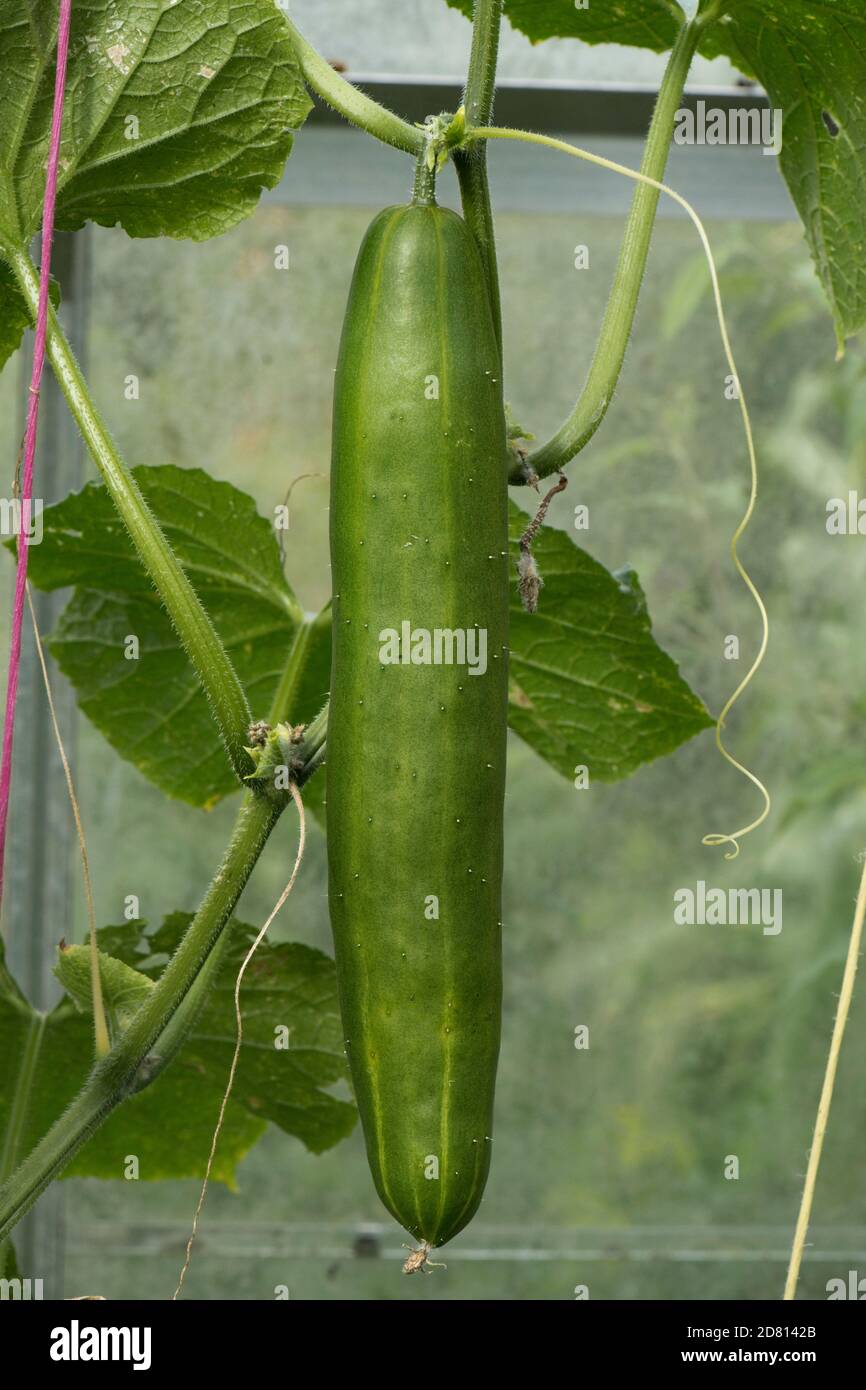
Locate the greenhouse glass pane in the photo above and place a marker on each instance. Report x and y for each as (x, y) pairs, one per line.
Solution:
(415, 37)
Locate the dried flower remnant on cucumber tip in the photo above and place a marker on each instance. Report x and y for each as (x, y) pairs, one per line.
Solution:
(419, 1259)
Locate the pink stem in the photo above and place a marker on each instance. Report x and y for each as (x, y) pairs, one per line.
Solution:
(26, 493)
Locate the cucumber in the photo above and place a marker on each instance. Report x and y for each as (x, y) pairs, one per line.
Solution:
(416, 738)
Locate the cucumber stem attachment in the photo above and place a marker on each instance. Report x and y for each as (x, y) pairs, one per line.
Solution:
(424, 187)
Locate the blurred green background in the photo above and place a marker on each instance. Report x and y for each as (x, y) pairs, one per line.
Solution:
(705, 1042)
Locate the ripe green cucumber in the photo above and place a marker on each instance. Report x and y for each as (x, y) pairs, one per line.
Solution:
(416, 749)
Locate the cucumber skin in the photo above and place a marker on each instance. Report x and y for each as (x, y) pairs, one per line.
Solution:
(416, 754)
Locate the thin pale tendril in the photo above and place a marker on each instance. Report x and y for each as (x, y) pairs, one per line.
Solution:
(302, 835)
(100, 1026)
(529, 137)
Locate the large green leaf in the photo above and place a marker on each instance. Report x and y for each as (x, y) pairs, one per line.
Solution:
(641, 23)
(286, 986)
(168, 1127)
(177, 114)
(588, 684)
(811, 57)
(44, 1061)
(152, 709)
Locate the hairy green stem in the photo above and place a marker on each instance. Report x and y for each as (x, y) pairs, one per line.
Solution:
(481, 81)
(196, 631)
(167, 1045)
(361, 110)
(471, 163)
(616, 328)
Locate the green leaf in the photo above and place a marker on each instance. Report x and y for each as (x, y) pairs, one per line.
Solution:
(812, 60)
(152, 709)
(44, 1060)
(177, 115)
(123, 988)
(288, 987)
(588, 684)
(642, 23)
